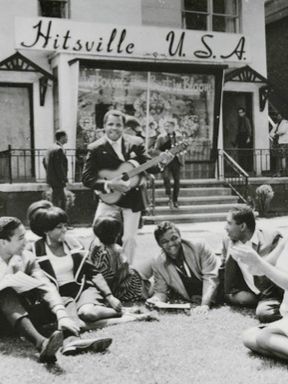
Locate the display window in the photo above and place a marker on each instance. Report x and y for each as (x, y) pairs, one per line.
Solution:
(149, 97)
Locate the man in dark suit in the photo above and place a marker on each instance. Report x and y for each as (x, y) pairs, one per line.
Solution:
(240, 286)
(165, 142)
(108, 153)
(56, 166)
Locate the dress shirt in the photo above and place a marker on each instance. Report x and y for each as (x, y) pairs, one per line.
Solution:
(117, 147)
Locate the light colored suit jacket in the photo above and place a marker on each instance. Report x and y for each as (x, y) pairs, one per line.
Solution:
(202, 262)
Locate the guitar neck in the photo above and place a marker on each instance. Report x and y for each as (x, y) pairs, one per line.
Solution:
(143, 167)
(150, 163)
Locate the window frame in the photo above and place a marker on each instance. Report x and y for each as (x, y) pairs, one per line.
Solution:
(210, 14)
(67, 8)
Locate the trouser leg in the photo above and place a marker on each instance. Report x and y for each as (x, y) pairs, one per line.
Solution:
(166, 174)
(130, 228)
(17, 316)
(176, 177)
(59, 197)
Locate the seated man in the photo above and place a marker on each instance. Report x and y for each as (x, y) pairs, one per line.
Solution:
(22, 282)
(240, 287)
(188, 269)
(271, 339)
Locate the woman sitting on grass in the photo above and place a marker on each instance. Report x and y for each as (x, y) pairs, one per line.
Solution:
(84, 291)
(272, 339)
(125, 283)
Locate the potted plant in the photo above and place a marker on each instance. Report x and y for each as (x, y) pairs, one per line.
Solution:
(264, 195)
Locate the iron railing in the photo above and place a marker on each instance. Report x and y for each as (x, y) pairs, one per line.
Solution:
(234, 175)
(26, 165)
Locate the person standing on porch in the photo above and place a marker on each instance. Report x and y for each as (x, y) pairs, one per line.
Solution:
(244, 139)
(108, 153)
(165, 142)
(56, 165)
(279, 134)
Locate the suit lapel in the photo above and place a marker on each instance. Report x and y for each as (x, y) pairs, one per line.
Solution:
(125, 148)
(110, 150)
(176, 282)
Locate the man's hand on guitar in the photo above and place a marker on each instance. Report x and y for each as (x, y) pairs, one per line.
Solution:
(119, 185)
(165, 158)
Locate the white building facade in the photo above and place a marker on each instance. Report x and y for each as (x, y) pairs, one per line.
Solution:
(64, 63)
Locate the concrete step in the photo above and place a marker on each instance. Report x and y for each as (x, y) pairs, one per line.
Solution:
(186, 218)
(198, 200)
(211, 191)
(185, 209)
(194, 183)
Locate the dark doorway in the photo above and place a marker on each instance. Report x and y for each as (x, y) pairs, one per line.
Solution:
(232, 101)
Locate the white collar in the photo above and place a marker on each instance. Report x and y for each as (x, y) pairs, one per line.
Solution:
(117, 142)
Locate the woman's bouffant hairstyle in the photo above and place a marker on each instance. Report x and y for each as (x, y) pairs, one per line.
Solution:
(36, 206)
(107, 229)
(46, 219)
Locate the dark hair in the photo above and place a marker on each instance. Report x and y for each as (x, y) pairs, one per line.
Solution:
(244, 214)
(132, 122)
(34, 207)
(46, 219)
(7, 226)
(107, 229)
(59, 134)
(114, 112)
(162, 228)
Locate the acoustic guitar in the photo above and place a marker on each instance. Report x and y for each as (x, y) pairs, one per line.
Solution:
(127, 171)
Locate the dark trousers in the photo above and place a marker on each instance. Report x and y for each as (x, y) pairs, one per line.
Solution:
(14, 306)
(59, 197)
(172, 171)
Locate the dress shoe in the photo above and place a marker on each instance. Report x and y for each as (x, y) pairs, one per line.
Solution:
(76, 345)
(50, 347)
(176, 205)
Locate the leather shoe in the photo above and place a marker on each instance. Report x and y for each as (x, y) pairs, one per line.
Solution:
(176, 205)
(78, 345)
(50, 347)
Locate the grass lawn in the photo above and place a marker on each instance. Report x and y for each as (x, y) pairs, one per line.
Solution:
(177, 349)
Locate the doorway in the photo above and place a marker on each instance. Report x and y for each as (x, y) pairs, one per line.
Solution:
(232, 101)
(17, 123)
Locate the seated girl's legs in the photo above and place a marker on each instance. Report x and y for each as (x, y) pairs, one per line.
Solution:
(274, 343)
(90, 306)
(250, 337)
(242, 298)
(93, 312)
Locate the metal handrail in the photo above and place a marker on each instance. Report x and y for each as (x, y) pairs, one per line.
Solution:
(233, 182)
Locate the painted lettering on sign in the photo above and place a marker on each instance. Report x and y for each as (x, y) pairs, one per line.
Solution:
(129, 41)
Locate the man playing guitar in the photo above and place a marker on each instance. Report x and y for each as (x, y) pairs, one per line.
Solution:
(108, 155)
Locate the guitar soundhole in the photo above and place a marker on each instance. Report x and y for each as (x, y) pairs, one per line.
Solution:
(125, 176)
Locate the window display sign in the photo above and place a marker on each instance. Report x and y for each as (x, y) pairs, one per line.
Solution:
(152, 43)
(186, 98)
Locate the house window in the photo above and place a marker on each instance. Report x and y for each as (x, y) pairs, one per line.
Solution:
(211, 15)
(54, 8)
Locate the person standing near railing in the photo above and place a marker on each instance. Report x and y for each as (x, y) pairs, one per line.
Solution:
(244, 140)
(279, 135)
(165, 142)
(56, 165)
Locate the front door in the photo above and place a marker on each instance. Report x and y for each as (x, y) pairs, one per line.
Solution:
(232, 101)
(17, 123)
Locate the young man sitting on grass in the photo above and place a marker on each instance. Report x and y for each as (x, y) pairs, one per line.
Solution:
(188, 269)
(22, 283)
(272, 339)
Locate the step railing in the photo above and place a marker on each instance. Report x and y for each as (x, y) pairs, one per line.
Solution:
(234, 175)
